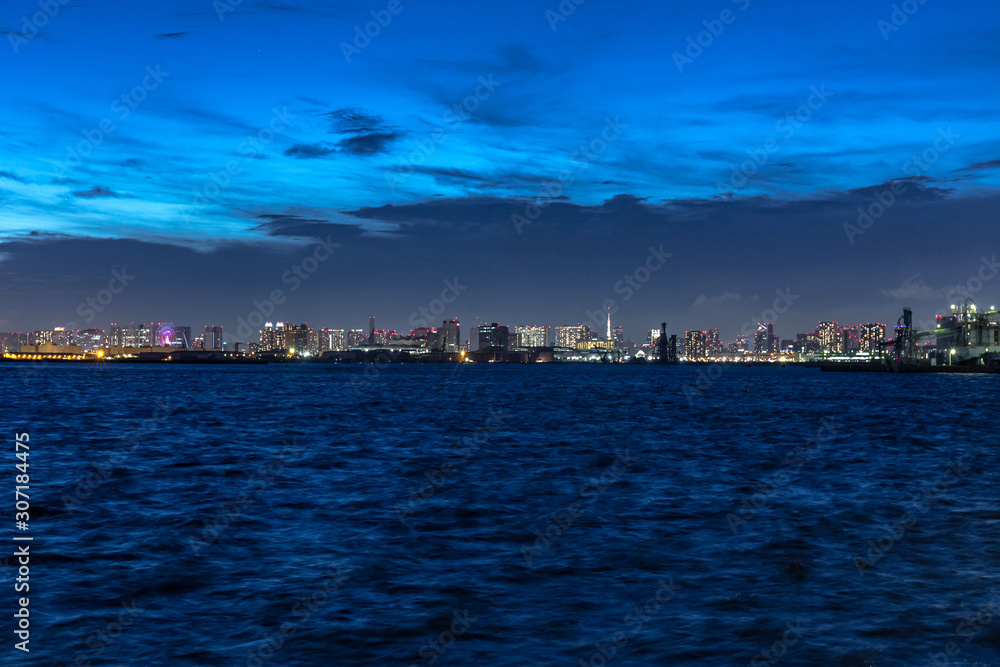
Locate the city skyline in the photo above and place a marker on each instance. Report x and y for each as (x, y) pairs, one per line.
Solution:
(655, 157)
(827, 335)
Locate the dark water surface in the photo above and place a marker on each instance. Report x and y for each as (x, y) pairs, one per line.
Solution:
(571, 515)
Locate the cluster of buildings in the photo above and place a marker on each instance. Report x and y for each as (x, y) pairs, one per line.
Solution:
(116, 341)
(570, 342)
(828, 340)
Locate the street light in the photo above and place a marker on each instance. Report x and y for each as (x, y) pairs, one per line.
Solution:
(950, 355)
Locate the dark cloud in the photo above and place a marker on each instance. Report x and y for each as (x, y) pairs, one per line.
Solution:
(368, 144)
(13, 177)
(990, 164)
(309, 151)
(95, 192)
(455, 176)
(303, 227)
(335, 11)
(914, 188)
(354, 121)
(172, 35)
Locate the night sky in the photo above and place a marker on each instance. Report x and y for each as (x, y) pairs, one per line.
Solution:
(535, 155)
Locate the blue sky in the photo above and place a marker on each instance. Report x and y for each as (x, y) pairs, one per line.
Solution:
(238, 133)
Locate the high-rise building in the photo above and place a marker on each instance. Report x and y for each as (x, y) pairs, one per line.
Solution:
(695, 344)
(570, 336)
(712, 342)
(331, 339)
(63, 336)
(653, 337)
(493, 336)
(618, 336)
(302, 339)
(91, 340)
(870, 337)
(533, 336)
(450, 338)
(129, 336)
(11, 342)
(371, 330)
(828, 338)
(357, 338)
(213, 338)
(765, 342)
(40, 337)
(276, 336)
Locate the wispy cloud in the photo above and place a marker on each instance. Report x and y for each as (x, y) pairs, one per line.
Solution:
(95, 192)
(309, 151)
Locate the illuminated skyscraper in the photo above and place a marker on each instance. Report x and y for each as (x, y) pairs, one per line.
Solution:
(870, 336)
(694, 344)
(827, 332)
(62, 336)
(91, 340)
(276, 336)
(357, 338)
(572, 335)
(712, 342)
(534, 336)
(331, 339)
(618, 336)
(765, 342)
